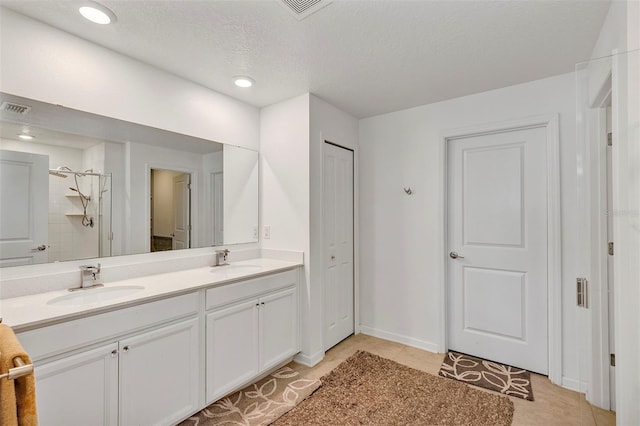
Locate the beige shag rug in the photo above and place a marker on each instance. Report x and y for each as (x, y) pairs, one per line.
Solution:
(258, 404)
(487, 374)
(369, 390)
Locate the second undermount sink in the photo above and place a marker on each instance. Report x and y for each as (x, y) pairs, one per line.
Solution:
(95, 295)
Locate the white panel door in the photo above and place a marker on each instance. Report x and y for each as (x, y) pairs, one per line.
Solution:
(181, 211)
(338, 244)
(24, 208)
(497, 238)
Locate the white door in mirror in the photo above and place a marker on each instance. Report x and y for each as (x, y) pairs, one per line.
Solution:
(24, 198)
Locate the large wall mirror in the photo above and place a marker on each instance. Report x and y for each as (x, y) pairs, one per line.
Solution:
(75, 185)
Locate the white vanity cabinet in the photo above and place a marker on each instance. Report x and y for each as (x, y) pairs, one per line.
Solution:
(134, 366)
(159, 373)
(80, 389)
(161, 360)
(251, 326)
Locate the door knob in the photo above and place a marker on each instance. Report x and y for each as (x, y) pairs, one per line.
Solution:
(455, 255)
(41, 247)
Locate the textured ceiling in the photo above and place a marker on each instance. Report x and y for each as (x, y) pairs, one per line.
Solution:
(364, 57)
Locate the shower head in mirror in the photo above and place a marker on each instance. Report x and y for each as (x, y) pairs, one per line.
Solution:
(58, 171)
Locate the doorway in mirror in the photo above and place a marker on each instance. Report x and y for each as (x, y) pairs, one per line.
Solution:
(170, 218)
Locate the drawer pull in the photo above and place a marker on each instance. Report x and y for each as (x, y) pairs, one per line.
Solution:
(126, 348)
(114, 352)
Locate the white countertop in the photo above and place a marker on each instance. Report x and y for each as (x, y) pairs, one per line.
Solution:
(23, 313)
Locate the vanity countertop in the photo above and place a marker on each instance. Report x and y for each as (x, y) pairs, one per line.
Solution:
(27, 312)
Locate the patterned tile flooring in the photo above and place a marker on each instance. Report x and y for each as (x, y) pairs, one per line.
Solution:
(553, 404)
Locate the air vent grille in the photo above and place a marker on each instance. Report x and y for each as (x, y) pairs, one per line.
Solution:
(14, 108)
(303, 8)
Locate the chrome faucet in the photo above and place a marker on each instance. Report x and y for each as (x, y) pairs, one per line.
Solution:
(90, 275)
(221, 257)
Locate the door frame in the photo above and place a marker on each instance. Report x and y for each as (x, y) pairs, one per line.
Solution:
(592, 264)
(554, 247)
(356, 328)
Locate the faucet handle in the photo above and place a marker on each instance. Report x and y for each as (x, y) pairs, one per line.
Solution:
(91, 268)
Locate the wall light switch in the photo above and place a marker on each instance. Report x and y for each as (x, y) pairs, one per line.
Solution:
(267, 232)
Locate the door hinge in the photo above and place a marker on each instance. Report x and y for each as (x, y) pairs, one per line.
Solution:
(610, 247)
(189, 227)
(609, 139)
(612, 360)
(582, 292)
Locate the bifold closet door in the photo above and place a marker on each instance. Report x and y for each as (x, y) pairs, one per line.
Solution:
(338, 244)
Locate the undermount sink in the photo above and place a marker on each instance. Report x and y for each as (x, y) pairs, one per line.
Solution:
(237, 268)
(95, 295)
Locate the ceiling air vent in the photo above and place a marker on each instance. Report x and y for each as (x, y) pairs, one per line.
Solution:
(14, 108)
(303, 8)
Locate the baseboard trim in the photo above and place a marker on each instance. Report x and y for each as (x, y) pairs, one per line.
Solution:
(574, 385)
(399, 338)
(309, 360)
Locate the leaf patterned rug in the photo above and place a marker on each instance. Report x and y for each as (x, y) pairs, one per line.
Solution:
(370, 390)
(258, 404)
(487, 374)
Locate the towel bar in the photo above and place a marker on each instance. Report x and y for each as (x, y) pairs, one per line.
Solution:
(20, 369)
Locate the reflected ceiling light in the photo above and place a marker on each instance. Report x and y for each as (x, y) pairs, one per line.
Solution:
(243, 81)
(26, 137)
(97, 13)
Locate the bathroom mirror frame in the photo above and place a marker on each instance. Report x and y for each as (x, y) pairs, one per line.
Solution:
(242, 213)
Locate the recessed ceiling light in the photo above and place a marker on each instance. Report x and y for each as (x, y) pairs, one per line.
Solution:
(97, 13)
(243, 81)
(26, 137)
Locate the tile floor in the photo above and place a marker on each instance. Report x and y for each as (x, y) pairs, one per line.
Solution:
(553, 404)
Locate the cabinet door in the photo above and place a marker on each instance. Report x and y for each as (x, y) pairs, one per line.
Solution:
(232, 348)
(81, 389)
(159, 375)
(279, 327)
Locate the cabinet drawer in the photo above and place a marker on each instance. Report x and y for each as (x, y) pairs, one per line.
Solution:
(225, 294)
(48, 341)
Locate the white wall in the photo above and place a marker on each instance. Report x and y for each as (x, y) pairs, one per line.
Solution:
(284, 191)
(40, 62)
(292, 138)
(327, 123)
(240, 194)
(613, 34)
(401, 263)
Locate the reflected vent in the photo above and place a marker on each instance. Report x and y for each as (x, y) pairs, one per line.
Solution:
(14, 108)
(303, 8)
